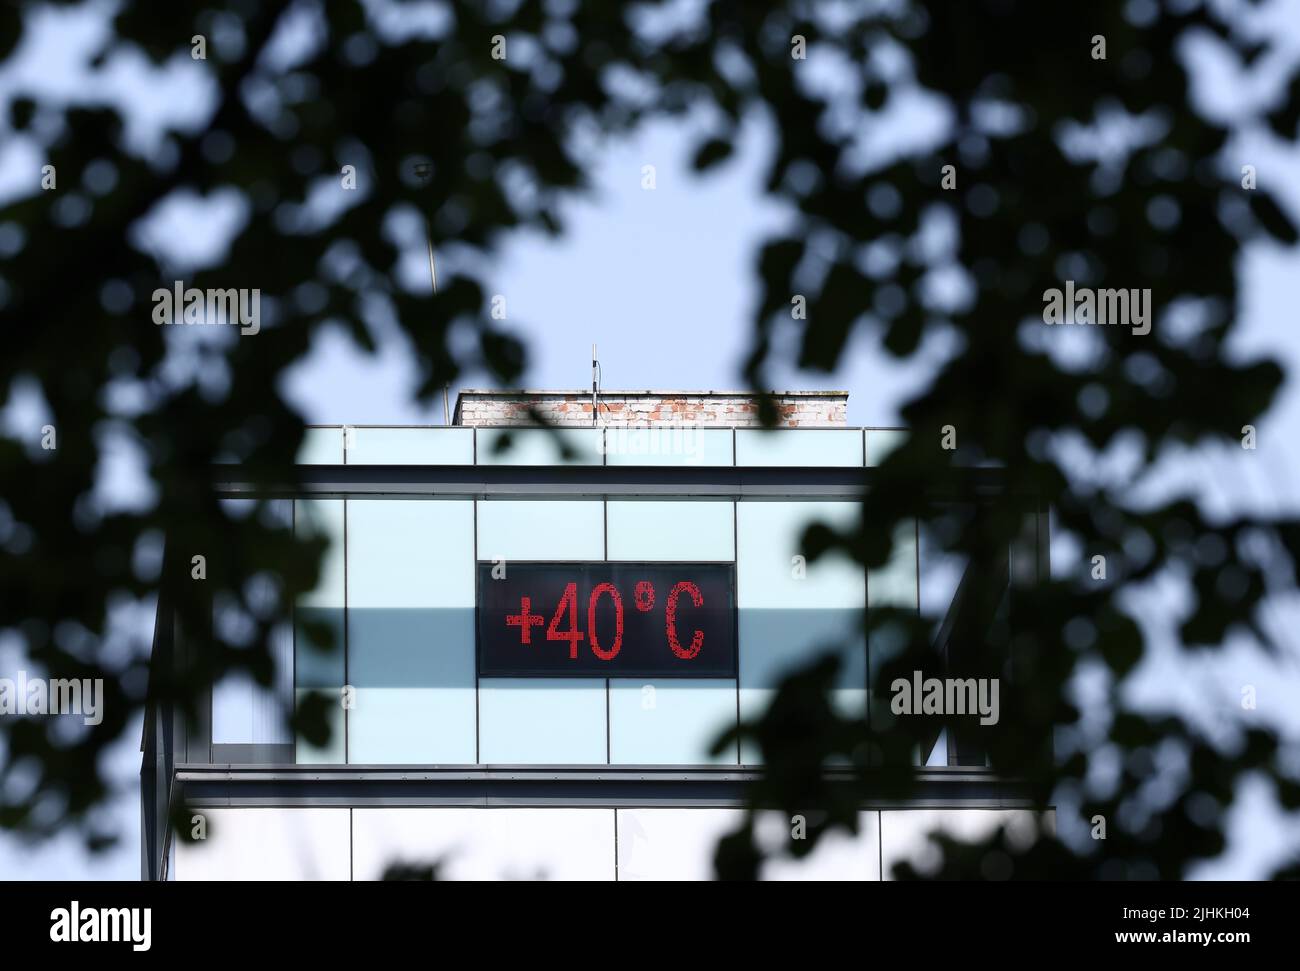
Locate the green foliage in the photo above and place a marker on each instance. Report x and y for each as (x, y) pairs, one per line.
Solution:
(1025, 213)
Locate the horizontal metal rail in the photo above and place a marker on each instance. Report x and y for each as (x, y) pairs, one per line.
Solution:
(548, 481)
(602, 785)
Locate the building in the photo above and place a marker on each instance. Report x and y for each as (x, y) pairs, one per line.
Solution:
(540, 648)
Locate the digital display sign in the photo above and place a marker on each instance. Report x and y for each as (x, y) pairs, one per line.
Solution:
(617, 620)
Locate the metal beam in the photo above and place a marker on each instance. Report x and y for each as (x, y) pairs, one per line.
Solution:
(486, 786)
(573, 481)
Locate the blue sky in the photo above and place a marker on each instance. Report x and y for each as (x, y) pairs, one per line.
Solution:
(662, 280)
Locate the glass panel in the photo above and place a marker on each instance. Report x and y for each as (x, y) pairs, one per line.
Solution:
(667, 446)
(243, 711)
(316, 666)
(799, 446)
(410, 446)
(904, 833)
(247, 713)
(486, 844)
(536, 529)
(671, 844)
(938, 753)
(679, 844)
(895, 584)
(532, 720)
(267, 844)
(792, 612)
(670, 722)
(539, 446)
(411, 631)
(321, 446)
(882, 441)
(670, 531)
(839, 855)
(323, 518)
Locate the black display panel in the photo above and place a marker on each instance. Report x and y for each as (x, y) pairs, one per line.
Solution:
(661, 620)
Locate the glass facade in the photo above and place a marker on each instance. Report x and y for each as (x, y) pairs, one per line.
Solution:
(401, 604)
(561, 843)
(397, 590)
(397, 596)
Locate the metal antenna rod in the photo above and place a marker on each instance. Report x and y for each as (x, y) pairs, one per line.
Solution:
(594, 391)
(433, 273)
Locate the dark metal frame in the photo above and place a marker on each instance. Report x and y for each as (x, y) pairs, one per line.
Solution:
(617, 786)
(589, 481)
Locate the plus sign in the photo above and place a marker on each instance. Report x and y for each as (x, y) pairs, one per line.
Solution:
(524, 620)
